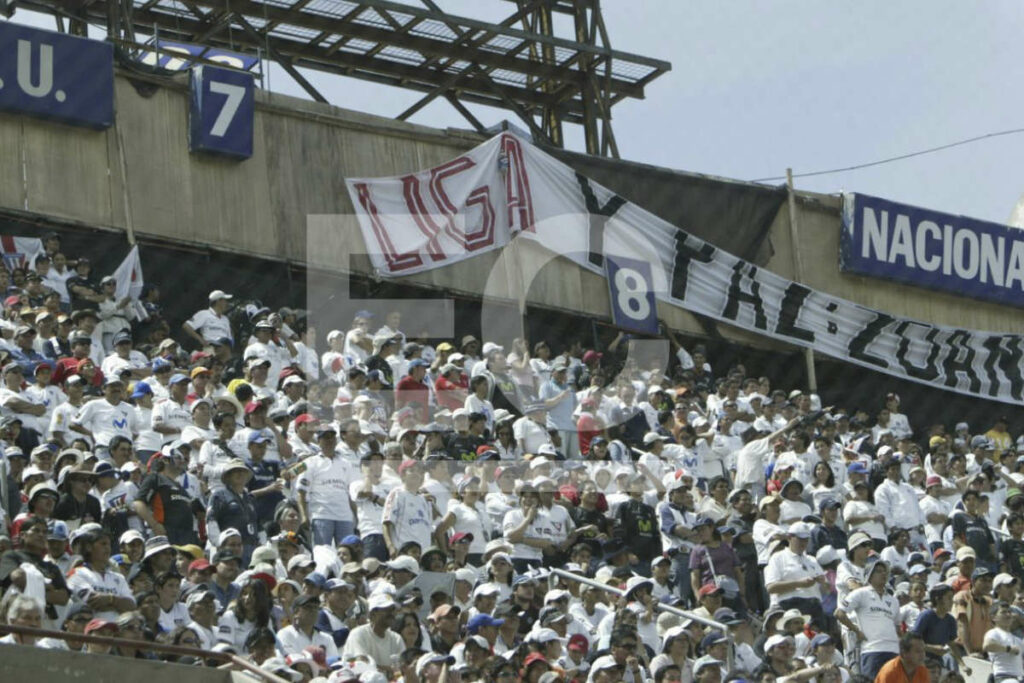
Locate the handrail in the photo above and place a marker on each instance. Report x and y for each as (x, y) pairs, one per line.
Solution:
(660, 607)
(664, 608)
(226, 657)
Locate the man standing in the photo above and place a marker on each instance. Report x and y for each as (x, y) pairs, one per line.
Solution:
(794, 580)
(896, 500)
(971, 529)
(877, 619)
(560, 402)
(408, 514)
(103, 420)
(210, 324)
(323, 492)
(909, 666)
(376, 640)
(973, 611)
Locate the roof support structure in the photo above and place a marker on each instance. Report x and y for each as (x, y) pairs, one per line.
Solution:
(520, 64)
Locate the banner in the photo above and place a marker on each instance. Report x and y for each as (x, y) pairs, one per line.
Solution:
(20, 252)
(930, 249)
(506, 188)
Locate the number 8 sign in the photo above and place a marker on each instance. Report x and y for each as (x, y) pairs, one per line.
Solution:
(222, 113)
(632, 294)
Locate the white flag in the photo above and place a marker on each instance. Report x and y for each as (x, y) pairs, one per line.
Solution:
(129, 275)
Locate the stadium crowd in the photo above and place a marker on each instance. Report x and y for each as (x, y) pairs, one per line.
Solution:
(389, 509)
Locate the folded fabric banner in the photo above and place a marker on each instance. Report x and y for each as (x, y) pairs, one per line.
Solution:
(506, 188)
(20, 252)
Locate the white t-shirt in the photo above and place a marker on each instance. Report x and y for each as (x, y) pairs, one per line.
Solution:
(210, 326)
(291, 641)
(148, 440)
(786, 565)
(176, 616)
(60, 420)
(473, 520)
(412, 517)
(106, 421)
(878, 616)
(86, 582)
(535, 531)
(51, 397)
(384, 651)
(7, 396)
(862, 508)
(170, 413)
(370, 514)
(1004, 663)
(326, 482)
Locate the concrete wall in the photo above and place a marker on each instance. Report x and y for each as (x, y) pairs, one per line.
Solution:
(19, 664)
(140, 176)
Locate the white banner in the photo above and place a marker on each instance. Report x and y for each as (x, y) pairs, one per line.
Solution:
(508, 188)
(130, 283)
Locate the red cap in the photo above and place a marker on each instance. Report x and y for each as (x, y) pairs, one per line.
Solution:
(939, 552)
(304, 418)
(252, 406)
(462, 536)
(406, 464)
(591, 356)
(198, 356)
(480, 450)
(708, 589)
(265, 578)
(532, 658)
(201, 565)
(933, 480)
(100, 625)
(578, 642)
(12, 300)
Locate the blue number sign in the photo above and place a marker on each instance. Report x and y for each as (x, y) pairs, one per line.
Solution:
(222, 114)
(632, 294)
(55, 76)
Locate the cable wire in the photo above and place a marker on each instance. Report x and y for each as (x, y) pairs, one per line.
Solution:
(896, 158)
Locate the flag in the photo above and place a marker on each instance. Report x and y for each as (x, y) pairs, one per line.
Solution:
(20, 252)
(129, 275)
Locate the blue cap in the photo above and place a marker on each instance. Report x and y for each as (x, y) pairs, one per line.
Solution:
(178, 377)
(830, 503)
(351, 539)
(56, 530)
(418, 363)
(317, 579)
(713, 638)
(258, 437)
(820, 639)
(104, 469)
(120, 560)
(364, 314)
(141, 389)
(335, 584)
(857, 468)
(159, 364)
(523, 578)
(482, 620)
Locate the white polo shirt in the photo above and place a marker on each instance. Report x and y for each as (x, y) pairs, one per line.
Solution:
(169, 413)
(411, 515)
(786, 565)
(291, 641)
(878, 616)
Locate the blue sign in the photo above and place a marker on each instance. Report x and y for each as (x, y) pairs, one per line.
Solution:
(175, 56)
(930, 249)
(632, 294)
(55, 76)
(222, 114)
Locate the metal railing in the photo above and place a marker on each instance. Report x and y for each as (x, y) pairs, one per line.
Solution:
(565, 574)
(226, 657)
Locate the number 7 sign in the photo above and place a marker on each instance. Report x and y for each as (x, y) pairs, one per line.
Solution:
(222, 112)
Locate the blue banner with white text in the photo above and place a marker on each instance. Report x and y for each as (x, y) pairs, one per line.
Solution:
(930, 249)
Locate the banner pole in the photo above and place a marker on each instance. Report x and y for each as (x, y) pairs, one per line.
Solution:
(798, 273)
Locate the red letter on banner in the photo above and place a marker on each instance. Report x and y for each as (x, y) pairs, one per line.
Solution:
(517, 187)
(470, 241)
(396, 261)
(419, 213)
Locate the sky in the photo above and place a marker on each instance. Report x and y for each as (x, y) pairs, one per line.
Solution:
(757, 87)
